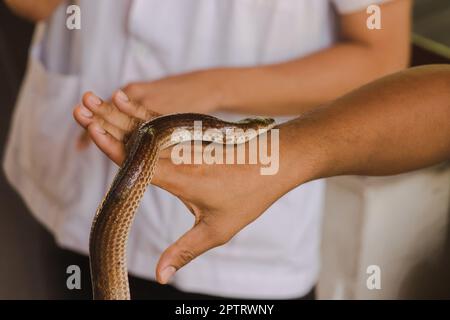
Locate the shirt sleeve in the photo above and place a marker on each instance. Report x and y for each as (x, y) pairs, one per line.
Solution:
(350, 6)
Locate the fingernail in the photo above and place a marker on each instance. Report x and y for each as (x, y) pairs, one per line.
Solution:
(100, 130)
(93, 99)
(122, 96)
(85, 112)
(167, 273)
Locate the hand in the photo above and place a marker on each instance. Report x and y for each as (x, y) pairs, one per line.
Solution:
(223, 198)
(375, 130)
(108, 124)
(191, 92)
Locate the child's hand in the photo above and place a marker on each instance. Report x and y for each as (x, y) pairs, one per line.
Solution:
(197, 91)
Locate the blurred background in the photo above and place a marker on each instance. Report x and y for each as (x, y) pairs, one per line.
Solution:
(399, 223)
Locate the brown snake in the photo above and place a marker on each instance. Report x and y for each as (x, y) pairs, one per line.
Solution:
(114, 217)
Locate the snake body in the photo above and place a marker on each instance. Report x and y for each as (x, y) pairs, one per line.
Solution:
(114, 216)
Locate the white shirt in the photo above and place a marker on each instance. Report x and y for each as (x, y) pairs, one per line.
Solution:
(277, 256)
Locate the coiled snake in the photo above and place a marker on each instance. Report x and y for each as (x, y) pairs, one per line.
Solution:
(112, 222)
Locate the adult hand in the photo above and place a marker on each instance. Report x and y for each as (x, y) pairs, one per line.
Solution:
(223, 198)
(375, 130)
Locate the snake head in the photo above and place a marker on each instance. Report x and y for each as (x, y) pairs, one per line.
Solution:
(261, 123)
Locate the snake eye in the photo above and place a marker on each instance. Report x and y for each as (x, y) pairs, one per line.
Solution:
(265, 121)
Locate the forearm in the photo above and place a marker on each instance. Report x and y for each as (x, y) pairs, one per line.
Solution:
(393, 125)
(360, 56)
(33, 10)
(299, 85)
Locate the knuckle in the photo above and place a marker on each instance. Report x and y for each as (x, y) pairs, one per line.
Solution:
(148, 114)
(106, 110)
(128, 87)
(222, 238)
(132, 124)
(146, 104)
(100, 121)
(86, 95)
(218, 236)
(131, 88)
(186, 256)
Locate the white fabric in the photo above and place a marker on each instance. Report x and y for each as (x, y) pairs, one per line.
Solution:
(350, 6)
(276, 256)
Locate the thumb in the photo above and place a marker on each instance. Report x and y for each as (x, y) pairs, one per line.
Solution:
(192, 244)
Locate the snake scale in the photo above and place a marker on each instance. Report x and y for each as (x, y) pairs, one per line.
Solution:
(115, 214)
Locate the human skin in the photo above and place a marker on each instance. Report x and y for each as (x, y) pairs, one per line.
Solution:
(293, 86)
(393, 125)
(33, 10)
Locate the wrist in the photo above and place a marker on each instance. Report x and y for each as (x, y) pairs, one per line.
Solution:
(304, 152)
(221, 83)
(210, 83)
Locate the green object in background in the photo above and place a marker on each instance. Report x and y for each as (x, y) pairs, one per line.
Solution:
(431, 45)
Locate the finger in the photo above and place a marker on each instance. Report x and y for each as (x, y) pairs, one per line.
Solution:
(136, 91)
(131, 108)
(192, 244)
(83, 115)
(117, 133)
(112, 147)
(108, 112)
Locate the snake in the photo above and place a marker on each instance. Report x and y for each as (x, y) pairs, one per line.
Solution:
(115, 214)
